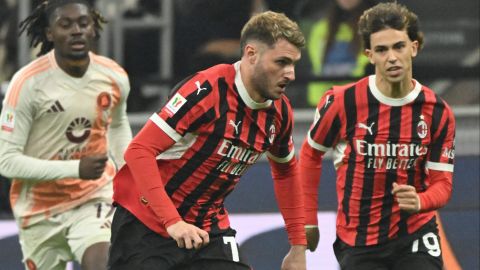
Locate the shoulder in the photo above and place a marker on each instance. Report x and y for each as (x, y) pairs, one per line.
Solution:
(107, 64)
(214, 73)
(30, 75)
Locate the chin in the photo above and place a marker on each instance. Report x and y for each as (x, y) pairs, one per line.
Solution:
(78, 55)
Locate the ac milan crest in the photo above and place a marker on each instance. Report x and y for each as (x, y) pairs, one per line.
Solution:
(271, 132)
(422, 128)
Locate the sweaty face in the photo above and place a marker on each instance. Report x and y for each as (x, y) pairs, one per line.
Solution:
(392, 52)
(71, 31)
(275, 69)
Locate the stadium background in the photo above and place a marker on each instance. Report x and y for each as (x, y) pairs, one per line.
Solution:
(146, 38)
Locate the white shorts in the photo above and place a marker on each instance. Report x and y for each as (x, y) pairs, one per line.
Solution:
(51, 243)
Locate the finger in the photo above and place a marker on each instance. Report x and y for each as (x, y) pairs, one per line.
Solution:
(180, 243)
(205, 238)
(197, 241)
(188, 242)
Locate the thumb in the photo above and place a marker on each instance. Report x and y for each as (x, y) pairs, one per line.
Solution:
(394, 186)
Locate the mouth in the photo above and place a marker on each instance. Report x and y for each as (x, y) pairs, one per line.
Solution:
(394, 71)
(78, 45)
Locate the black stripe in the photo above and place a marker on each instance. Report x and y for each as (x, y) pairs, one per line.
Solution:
(59, 106)
(351, 115)
(192, 99)
(54, 108)
(240, 114)
(436, 148)
(368, 174)
(252, 132)
(391, 175)
(332, 132)
(322, 112)
(286, 128)
(268, 123)
(437, 144)
(222, 191)
(416, 113)
(207, 148)
(438, 110)
(207, 117)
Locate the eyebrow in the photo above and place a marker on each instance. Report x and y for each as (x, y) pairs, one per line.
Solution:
(394, 44)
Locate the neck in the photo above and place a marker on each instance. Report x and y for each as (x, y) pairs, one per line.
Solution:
(74, 68)
(395, 89)
(246, 73)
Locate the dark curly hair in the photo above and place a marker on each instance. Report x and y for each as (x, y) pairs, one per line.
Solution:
(38, 21)
(389, 15)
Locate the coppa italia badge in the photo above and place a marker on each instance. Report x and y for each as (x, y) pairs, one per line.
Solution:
(104, 100)
(422, 128)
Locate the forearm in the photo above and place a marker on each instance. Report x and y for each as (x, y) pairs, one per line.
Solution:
(289, 196)
(119, 136)
(140, 157)
(14, 164)
(310, 171)
(438, 193)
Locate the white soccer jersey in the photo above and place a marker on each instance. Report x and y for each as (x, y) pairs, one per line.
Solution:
(49, 121)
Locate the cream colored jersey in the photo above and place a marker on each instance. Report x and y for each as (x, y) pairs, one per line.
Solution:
(49, 121)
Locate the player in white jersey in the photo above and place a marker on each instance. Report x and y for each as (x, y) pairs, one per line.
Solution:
(63, 131)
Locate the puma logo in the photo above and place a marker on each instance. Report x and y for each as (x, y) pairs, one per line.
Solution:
(327, 101)
(235, 126)
(368, 128)
(199, 88)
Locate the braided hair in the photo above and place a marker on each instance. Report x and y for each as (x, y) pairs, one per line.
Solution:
(38, 21)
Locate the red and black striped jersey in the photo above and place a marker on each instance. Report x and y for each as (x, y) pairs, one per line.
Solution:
(377, 140)
(219, 132)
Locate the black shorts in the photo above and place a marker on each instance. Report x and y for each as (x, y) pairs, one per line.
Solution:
(135, 246)
(419, 251)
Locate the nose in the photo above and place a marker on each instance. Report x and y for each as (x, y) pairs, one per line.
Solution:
(290, 72)
(391, 57)
(76, 29)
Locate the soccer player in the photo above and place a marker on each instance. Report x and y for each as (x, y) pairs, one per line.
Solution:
(63, 132)
(393, 149)
(192, 152)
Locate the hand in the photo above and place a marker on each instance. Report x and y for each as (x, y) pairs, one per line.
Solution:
(313, 236)
(407, 197)
(188, 236)
(295, 259)
(92, 167)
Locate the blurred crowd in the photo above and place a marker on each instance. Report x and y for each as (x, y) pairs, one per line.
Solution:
(206, 32)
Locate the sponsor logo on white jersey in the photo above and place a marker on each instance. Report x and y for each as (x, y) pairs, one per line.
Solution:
(8, 120)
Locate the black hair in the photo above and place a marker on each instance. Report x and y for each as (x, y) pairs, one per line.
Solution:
(38, 21)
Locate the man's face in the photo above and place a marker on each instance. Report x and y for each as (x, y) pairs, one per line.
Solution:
(71, 31)
(392, 52)
(274, 69)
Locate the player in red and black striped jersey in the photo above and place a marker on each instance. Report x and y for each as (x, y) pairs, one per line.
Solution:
(393, 150)
(190, 155)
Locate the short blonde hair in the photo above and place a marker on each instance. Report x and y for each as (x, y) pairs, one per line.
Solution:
(268, 27)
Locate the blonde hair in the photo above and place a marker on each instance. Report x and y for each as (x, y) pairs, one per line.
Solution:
(268, 27)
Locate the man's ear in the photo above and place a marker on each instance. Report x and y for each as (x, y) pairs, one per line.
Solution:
(414, 48)
(368, 53)
(48, 33)
(251, 52)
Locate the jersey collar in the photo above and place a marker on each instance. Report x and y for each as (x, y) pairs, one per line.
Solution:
(244, 94)
(393, 101)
